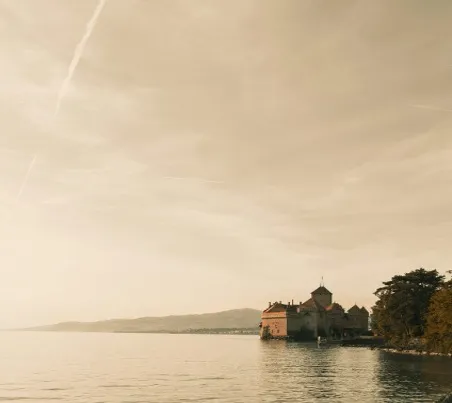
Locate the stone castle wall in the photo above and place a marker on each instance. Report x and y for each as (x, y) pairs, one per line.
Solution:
(276, 322)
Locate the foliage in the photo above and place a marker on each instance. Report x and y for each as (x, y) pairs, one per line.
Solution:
(439, 321)
(399, 314)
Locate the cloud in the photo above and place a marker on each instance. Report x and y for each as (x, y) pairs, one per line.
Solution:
(201, 180)
(256, 140)
(432, 108)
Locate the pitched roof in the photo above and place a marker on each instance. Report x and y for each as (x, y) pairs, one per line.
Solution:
(311, 303)
(355, 308)
(279, 307)
(276, 307)
(321, 290)
(364, 310)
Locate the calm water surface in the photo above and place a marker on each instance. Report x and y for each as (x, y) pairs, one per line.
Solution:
(94, 368)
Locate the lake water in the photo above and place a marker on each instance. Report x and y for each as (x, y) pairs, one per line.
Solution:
(95, 368)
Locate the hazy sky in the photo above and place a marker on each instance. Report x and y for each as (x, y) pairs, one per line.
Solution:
(211, 155)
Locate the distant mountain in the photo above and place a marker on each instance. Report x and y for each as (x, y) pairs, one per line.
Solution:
(232, 319)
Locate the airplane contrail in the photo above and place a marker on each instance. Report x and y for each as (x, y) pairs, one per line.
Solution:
(78, 54)
(70, 73)
(27, 175)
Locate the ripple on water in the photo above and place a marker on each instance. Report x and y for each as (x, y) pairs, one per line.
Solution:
(194, 368)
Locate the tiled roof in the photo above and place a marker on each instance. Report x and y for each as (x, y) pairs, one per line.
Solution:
(311, 303)
(279, 307)
(355, 308)
(321, 290)
(276, 307)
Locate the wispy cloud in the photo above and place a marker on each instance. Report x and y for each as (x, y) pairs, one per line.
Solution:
(200, 180)
(328, 153)
(432, 108)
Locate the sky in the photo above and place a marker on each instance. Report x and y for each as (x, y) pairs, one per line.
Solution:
(207, 155)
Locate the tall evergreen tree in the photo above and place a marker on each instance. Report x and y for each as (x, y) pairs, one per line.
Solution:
(439, 320)
(399, 314)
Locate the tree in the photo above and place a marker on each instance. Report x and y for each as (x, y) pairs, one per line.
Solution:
(439, 320)
(399, 314)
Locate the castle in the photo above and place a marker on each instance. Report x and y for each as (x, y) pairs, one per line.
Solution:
(318, 316)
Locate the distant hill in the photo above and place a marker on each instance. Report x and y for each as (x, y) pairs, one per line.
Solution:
(232, 319)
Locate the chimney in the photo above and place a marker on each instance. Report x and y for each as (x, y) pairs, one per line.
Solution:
(292, 302)
(269, 304)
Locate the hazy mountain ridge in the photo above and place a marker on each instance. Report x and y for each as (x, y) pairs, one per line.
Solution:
(232, 319)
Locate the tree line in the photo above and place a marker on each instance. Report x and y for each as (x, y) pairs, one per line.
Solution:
(415, 309)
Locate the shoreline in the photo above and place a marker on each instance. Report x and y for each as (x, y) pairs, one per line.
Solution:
(414, 352)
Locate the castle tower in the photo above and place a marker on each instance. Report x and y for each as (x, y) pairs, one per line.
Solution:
(322, 296)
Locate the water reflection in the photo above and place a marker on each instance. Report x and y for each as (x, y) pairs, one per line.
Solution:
(116, 368)
(305, 373)
(417, 377)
